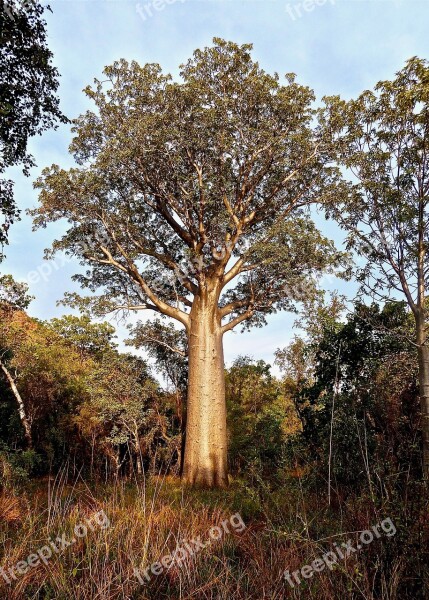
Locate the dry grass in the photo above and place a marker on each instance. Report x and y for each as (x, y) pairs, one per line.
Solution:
(148, 521)
(10, 508)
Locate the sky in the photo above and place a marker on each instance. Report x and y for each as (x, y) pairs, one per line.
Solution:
(334, 46)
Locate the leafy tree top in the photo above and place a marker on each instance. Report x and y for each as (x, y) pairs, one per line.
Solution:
(90, 338)
(13, 294)
(382, 139)
(182, 187)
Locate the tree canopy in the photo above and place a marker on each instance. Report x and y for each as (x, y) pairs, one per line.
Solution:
(382, 139)
(28, 101)
(182, 182)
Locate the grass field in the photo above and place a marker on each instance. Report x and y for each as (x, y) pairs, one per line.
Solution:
(233, 544)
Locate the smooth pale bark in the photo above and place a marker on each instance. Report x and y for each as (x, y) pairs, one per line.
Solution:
(205, 459)
(21, 407)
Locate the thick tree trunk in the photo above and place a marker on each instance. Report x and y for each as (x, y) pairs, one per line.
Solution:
(423, 352)
(21, 408)
(205, 460)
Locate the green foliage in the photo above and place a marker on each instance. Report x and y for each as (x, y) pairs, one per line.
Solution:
(167, 345)
(177, 179)
(125, 417)
(364, 385)
(17, 467)
(84, 399)
(89, 338)
(28, 101)
(13, 295)
(381, 139)
(256, 415)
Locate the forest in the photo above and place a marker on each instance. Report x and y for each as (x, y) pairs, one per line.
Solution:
(146, 465)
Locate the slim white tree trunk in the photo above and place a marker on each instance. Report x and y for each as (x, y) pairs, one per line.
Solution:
(21, 407)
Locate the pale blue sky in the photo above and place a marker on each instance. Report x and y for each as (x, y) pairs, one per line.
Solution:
(341, 46)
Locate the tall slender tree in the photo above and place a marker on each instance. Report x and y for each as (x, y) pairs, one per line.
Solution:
(382, 139)
(189, 200)
(13, 298)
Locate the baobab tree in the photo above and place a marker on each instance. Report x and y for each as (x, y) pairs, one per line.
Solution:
(190, 199)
